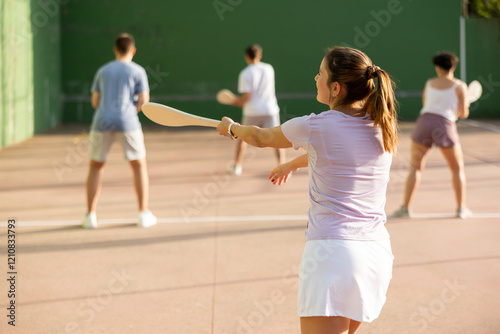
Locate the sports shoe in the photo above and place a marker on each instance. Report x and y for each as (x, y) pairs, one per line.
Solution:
(402, 212)
(146, 219)
(90, 220)
(463, 212)
(236, 170)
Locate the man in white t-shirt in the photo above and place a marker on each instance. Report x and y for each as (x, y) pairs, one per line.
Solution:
(258, 100)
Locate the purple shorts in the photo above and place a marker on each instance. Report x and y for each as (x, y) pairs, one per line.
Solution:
(432, 129)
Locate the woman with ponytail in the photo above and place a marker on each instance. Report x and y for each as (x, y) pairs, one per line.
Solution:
(347, 261)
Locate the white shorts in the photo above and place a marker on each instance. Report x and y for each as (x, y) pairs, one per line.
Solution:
(268, 121)
(132, 142)
(347, 278)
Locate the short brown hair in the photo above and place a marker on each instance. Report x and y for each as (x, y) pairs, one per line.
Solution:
(124, 43)
(253, 50)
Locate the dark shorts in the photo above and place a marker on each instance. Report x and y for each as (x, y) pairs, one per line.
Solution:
(432, 129)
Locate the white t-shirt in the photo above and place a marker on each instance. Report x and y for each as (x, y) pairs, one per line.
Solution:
(348, 175)
(258, 80)
(443, 102)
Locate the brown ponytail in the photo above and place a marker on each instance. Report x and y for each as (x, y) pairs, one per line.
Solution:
(354, 70)
(380, 106)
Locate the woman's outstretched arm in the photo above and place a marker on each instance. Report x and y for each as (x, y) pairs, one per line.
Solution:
(253, 135)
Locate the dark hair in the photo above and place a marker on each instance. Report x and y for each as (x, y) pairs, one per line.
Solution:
(356, 72)
(253, 51)
(445, 60)
(124, 43)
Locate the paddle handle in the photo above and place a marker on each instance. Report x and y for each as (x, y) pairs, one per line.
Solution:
(202, 121)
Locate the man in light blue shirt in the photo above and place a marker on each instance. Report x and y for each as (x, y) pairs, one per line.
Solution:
(115, 86)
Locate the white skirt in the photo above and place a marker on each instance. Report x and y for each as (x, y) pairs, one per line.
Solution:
(347, 278)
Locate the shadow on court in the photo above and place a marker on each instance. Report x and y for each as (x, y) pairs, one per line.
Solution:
(140, 242)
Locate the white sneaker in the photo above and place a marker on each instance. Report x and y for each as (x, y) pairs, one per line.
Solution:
(146, 219)
(236, 170)
(90, 220)
(402, 212)
(463, 212)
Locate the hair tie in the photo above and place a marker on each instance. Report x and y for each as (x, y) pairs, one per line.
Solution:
(371, 71)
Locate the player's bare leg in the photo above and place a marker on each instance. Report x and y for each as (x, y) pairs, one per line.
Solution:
(326, 325)
(455, 160)
(141, 182)
(241, 148)
(94, 184)
(417, 162)
(353, 326)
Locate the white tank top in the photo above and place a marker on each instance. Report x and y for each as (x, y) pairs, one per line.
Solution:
(443, 102)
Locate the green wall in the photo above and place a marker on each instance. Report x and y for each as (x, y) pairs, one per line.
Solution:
(195, 51)
(50, 50)
(483, 64)
(29, 69)
(46, 64)
(16, 71)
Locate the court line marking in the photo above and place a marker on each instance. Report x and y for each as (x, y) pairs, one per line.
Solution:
(483, 125)
(180, 220)
(447, 215)
(175, 220)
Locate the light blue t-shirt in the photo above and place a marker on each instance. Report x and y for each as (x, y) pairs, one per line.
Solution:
(118, 82)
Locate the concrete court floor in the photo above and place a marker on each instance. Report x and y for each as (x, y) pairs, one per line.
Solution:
(223, 259)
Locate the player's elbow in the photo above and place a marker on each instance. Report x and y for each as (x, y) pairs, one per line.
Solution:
(463, 113)
(245, 97)
(261, 137)
(94, 100)
(143, 98)
(237, 103)
(259, 144)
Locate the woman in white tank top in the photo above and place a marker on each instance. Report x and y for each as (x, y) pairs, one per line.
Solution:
(444, 101)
